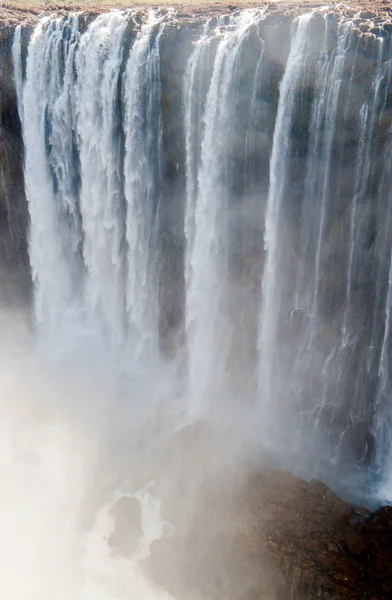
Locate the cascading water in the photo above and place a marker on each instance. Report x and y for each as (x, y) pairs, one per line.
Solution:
(94, 173)
(97, 122)
(143, 179)
(271, 295)
(284, 293)
(46, 113)
(323, 239)
(210, 128)
(86, 101)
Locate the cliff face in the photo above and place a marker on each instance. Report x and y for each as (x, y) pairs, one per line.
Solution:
(13, 208)
(295, 151)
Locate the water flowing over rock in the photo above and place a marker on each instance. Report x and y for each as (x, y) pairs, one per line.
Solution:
(94, 174)
(218, 190)
(323, 229)
(98, 59)
(143, 180)
(212, 137)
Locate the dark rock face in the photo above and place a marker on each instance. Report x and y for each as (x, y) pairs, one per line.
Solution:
(13, 209)
(14, 262)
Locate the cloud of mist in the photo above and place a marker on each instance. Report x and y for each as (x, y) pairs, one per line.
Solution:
(59, 476)
(77, 434)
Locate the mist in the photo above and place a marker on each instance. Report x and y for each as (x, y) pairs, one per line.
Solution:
(96, 465)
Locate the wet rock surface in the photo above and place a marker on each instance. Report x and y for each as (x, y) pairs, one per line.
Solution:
(323, 546)
(13, 208)
(278, 537)
(263, 535)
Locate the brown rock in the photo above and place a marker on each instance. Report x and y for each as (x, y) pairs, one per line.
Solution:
(355, 543)
(313, 545)
(316, 489)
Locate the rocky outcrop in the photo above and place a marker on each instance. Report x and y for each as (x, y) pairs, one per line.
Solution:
(278, 537)
(322, 546)
(235, 531)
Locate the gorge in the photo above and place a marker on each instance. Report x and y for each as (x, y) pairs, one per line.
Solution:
(196, 207)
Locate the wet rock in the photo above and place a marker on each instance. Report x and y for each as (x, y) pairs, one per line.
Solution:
(13, 207)
(355, 543)
(327, 540)
(316, 488)
(274, 536)
(359, 515)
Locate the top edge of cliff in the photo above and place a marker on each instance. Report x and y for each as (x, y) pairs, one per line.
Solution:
(13, 12)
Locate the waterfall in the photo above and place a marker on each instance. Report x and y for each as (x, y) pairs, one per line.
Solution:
(209, 189)
(319, 318)
(98, 62)
(261, 170)
(143, 179)
(279, 182)
(92, 176)
(46, 114)
(18, 68)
